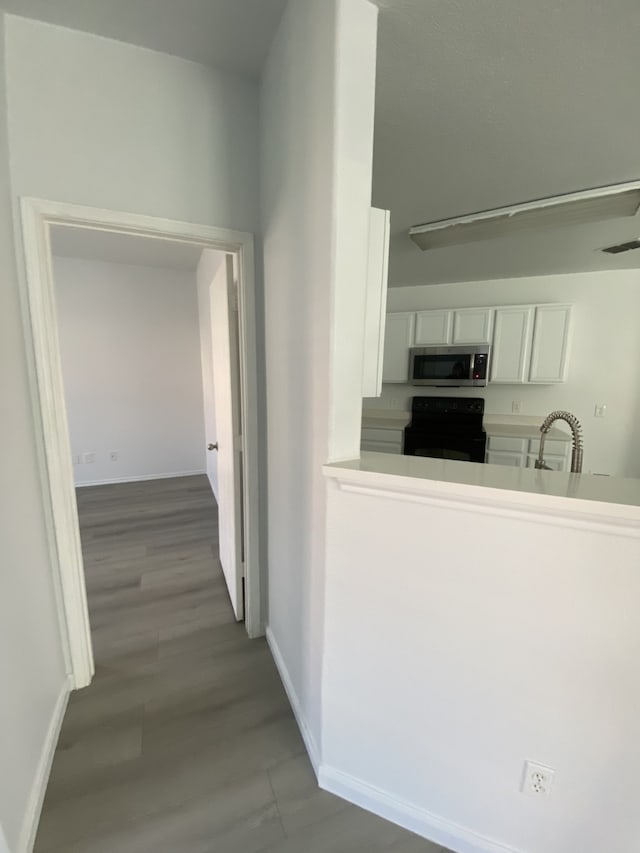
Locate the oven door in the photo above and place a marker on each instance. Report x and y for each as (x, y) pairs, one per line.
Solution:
(463, 448)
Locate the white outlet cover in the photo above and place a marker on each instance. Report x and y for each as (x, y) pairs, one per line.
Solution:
(537, 779)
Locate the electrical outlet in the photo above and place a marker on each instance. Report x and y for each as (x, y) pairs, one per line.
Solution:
(600, 410)
(113, 455)
(89, 457)
(516, 407)
(537, 779)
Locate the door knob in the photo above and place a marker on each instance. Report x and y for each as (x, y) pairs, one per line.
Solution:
(212, 446)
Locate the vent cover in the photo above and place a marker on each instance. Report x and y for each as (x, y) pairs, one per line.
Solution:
(622, 247)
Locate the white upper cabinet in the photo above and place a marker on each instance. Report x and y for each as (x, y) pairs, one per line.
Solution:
(375, 310)
(550, 348)
(472, 326)
(530, 343)
(397, 341)
(433, 328)
(512, 344)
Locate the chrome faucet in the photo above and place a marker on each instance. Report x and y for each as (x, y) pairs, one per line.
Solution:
(576, 433)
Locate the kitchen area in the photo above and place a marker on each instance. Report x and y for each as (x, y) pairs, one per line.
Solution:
(482, 609)
(476, 382)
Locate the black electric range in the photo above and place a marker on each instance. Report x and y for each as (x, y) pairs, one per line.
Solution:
(446, 428)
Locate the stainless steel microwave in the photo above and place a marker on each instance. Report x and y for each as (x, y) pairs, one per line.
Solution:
(450, 367)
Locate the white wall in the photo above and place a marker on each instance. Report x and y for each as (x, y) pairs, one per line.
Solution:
(96, 122)
(129, 339)
(462, 639)
(316, 170)
(103, 123)
(207, 268)
(32, 669)
(603, 363)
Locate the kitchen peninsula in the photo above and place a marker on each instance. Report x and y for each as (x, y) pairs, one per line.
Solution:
(512, 440)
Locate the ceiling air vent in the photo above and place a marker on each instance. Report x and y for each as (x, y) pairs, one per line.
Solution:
(593, 205)
(622, 247)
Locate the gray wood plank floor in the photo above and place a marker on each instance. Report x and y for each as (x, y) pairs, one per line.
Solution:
(184, 742)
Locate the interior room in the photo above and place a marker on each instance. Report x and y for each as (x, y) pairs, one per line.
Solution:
(429, 219)
(130, 316)
(436, 163)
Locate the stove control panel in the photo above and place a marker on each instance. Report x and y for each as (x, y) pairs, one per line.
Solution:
(448, 405)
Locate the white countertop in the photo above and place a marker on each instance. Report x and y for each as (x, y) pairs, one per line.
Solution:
(521, 426)
(385, 419)
(460, 479)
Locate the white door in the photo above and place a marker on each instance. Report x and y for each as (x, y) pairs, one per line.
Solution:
(226, 386)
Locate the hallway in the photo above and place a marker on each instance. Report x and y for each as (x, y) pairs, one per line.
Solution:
(185, 741)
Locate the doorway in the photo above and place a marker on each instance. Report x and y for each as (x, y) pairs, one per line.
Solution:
(38, 218)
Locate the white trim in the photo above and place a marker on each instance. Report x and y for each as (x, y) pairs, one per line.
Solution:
(496, 495)
(46, 384)
(307, 737)
(39, 787)
(437, 829)
(141, 478)
(579, 521)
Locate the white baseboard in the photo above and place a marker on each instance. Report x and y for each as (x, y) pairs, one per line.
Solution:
(307, 737)
(139, 478)
(432, 827)
(39, 787)
(436, 829)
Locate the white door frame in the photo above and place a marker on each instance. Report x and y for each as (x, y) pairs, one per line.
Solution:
(41, 328)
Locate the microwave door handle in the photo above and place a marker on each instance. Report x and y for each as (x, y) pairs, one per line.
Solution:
(473, 365)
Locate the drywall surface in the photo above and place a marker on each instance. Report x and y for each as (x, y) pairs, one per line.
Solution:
(308, 151)
(296, 113)
(4, 844)
(32, 667)
(103, 123)
(207, 268)
(355, 75)
(603, 364)
(502, 635)
(129, 339)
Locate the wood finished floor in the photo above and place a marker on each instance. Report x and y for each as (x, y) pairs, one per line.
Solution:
(184, 742)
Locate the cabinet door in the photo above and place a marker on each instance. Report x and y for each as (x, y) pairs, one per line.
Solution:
(550, 349)
(556, 463)
(472, 326)
(511, 344)
(433, 327)
(381, 447)
(376, 304)
(503, 457)
(397, 341)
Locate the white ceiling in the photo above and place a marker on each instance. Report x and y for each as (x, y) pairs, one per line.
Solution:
(485, 104)
(68, 242)
(231, 34)
(479, 105)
